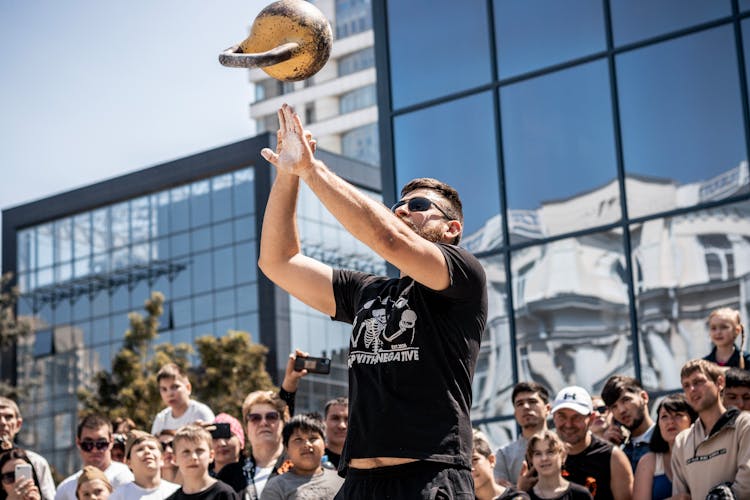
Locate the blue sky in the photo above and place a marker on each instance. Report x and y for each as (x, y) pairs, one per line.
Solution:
(93, 89)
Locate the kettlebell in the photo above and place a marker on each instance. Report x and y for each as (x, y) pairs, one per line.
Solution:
(290, 40)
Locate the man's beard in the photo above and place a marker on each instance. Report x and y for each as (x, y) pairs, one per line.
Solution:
(434, 234)
(638, 420)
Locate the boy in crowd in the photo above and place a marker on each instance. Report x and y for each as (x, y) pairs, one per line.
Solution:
(143, 456)
(92, 484)
(175, 389)
(304, 441)
(193, 452)
(737, 390)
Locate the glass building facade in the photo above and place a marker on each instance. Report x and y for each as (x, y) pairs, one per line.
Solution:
(94, 255)
(601, 148)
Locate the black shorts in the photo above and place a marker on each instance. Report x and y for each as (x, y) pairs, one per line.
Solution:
(412, 481)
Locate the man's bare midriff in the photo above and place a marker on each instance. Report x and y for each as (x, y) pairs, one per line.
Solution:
(372, 463)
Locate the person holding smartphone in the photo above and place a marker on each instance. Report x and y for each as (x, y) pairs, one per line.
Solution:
(19, 481)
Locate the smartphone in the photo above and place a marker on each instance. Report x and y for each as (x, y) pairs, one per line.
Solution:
(221, 431)
(23, 471)
(313, 365)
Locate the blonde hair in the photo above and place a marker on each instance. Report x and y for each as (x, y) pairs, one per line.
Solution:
(555, 443)
(265, 397)
(193, 433)
(734, 315)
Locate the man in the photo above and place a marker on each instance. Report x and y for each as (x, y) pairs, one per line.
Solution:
(415, 338)
(737, 389)
(144, 457)
(10, 425)
(531, 409)
(592, 462)
(336, 420)
(628, 403)
(716, 448)
(94, 441)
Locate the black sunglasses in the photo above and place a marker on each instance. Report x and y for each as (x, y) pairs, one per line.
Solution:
(255, 418)
(166, 444)
(601, 410)
(420, 204)
(8, 477)
(88, 445)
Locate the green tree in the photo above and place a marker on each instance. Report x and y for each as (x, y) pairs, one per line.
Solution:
(130, 389)
(231, 367)
(12, 329)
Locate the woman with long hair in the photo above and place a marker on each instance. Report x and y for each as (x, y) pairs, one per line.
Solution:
(653, 476)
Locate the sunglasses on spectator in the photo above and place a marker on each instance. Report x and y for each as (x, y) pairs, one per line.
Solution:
(420, 204)
(271, 417)
(166, 444)
(601, 410)
(100, 444)
(8, 477)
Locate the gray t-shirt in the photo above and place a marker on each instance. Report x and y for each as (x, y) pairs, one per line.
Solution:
(509, 459)
(291, 486)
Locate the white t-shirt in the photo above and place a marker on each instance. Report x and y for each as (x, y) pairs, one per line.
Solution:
(117, 473)
(195, 411)
(132, 491)
(262, 474)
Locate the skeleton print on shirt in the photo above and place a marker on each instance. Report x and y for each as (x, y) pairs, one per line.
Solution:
(383, 331)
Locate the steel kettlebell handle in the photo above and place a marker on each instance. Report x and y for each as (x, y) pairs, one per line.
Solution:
(290, 40)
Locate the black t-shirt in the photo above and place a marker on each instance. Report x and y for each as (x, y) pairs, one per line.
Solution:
(412, 356)
(333, 457)
(574, 492)
(734, 359)
(591, 468)
(217, 491)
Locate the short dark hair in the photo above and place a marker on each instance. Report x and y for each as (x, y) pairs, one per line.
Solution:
(305, 423)
(737, 377)
(343, 401)
(675, 403)
(171, 371)
(616, 385)
(454, 209)
(530, 387)
(94, 421)
(707, 368)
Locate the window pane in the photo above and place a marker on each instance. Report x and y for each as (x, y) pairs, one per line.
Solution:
(356, 61)
(533, 34)
(120, 224)
(682, 127)
(571, 309)
(362, 143)
(352, 16)
(634, 20)
(222, 234)
(44, 245)
(493, 379)
(679, 279)
(245, 262)
(63, 240)
(161, 214)
(202, 272)
(466, 158)
(360, 98)
(140, 220)
(201, 239)
(203, 308)
(560, 167)
(244, 192)
(744, 5)
(82, 236)
(200, 203)
(221, 197)
(446, 51)
(223, 268)
(179, 210)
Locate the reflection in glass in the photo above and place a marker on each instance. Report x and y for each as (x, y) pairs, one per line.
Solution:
(466, 157)
(200, 203)
(179, 208)
(100, 230)
(120, 224)
(493, 378)
(683, 268)
(532, 34)
(558, 140)
(221, 197)
(634, 20)
(44, 245)
(244, 191)
(423, 36)
(63, 240)
(140, 219)
(82, 236)
(571, 311)
(682, 127)
(223, 268)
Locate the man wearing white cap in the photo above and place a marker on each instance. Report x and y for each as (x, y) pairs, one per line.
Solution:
(592, 462)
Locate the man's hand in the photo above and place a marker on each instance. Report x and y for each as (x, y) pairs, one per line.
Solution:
(291, 377)
(295, 147)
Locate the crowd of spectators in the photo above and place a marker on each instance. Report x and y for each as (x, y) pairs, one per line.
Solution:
(574, 446)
